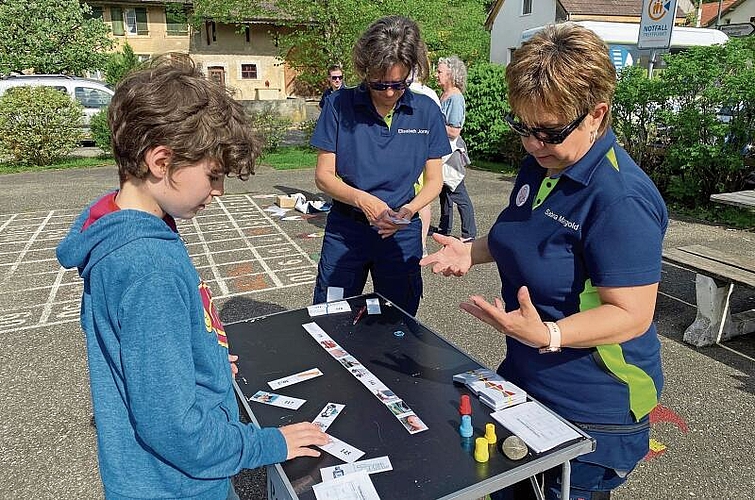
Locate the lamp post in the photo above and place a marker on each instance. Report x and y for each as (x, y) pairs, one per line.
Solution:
(718, 17)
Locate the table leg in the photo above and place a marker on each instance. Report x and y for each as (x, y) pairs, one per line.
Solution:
(536, 487)
(565, 480)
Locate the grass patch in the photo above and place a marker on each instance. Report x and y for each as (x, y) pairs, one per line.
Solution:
(736, 217)
(290, 157)
(14, 168)
(492, 166)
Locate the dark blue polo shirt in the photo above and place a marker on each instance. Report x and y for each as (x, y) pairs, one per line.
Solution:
(381, 160)
(599, 224)
(328, 92)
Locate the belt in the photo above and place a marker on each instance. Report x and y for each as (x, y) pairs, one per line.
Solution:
(348, 211)
(353, 213)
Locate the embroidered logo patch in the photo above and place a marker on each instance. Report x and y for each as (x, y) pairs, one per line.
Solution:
(522, 195)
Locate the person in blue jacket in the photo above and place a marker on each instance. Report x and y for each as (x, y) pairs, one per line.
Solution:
(161, 382)
(578, 250)
(374, 142)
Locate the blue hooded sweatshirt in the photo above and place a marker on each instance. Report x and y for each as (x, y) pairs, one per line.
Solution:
(167, 418)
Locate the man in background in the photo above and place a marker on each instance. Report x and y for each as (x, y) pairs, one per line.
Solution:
(335, 82)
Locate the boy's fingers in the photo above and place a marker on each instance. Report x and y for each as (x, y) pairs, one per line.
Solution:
(307, 452)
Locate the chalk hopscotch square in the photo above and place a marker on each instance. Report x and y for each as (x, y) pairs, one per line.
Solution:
(237, 249)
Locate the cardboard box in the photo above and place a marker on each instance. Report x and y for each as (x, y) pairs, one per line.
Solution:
(285, 201)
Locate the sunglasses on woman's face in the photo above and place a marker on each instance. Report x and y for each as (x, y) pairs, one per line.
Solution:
(382, 86)
(549, 135)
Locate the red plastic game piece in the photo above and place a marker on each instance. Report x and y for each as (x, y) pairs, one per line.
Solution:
(465, 406)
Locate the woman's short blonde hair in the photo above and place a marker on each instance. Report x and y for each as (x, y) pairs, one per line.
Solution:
(564, 70)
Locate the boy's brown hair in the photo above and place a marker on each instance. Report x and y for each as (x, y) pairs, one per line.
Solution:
(167, 102)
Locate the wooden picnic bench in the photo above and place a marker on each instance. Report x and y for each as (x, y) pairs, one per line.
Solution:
(716, 274)
(744, 199)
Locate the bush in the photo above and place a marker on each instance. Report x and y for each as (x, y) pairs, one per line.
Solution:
(691, 126)
(39, 125)
(308, 128)
(101, 131)
(271, 126)
(487, 135)
(704, 155)
(119, 64)
(638, 109)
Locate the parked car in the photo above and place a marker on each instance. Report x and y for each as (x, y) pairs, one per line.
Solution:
(92, 95)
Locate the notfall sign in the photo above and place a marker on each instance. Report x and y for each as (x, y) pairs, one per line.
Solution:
(656, 24)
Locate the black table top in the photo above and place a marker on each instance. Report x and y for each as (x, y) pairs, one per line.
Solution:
(417, 366)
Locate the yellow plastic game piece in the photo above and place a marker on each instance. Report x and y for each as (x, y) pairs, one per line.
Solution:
(490, 433)
(481, 453)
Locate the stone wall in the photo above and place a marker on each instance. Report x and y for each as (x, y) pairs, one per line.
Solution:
(296, 109)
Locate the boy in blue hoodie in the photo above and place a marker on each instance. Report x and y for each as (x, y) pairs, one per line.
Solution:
(167, 419)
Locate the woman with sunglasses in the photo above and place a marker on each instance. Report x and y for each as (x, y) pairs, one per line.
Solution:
(578, 251)
(374, 142)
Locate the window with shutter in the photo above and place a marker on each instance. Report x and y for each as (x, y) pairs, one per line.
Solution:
(116, 19)
(176, 20)
(129, 21)
(141, 21)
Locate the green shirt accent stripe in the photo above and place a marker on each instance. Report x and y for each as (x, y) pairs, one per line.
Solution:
(611, 155)
(643, 395)
(388, 118)
(545, 189)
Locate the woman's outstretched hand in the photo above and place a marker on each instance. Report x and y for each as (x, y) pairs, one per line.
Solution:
(454, 259)
(524, 324)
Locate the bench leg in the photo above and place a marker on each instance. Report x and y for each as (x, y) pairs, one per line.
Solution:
(713, 322)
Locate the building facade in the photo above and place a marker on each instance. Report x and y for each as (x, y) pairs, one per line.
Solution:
(243, 56)
(732, 12)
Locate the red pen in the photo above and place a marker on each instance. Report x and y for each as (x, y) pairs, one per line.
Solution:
(360, 313)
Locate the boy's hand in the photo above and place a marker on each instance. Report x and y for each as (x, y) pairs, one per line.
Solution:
(299, 436)
(232, 358)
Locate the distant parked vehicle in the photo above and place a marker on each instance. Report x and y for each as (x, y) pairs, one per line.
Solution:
(92, 95)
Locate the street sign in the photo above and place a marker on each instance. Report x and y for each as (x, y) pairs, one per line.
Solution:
(738, 29)
(656, 24)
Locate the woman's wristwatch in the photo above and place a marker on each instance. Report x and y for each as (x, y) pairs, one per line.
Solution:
(554, 345)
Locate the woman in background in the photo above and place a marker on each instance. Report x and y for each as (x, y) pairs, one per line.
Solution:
(452, 77)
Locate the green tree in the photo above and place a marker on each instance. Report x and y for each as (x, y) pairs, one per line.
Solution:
(486, 133)
(51, 36)
(637, 110)
(119, 64)
(703, 106)
(314, 34)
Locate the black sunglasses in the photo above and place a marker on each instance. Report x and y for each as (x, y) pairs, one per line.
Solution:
(546, 135)
(336, 77)
(380, 86)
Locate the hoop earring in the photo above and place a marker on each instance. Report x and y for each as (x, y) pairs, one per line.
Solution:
(593, 135)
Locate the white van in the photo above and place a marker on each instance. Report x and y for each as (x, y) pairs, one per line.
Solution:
(92, 95)
(621, 39)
